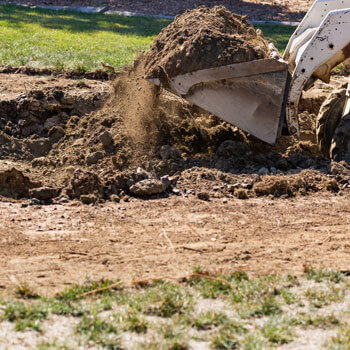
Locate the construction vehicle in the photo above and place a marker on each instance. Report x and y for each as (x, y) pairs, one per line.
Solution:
(262, 96)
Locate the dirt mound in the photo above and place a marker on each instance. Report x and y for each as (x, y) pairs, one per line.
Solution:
(203, 38)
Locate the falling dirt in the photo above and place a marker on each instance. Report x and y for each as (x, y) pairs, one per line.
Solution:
(203, 38)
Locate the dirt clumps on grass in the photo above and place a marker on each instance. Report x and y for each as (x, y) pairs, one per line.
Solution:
(204, 38)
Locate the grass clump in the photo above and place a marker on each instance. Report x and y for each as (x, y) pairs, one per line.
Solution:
(165, 299)
(308, 320)
(209, 320)
(74, 293)
(225, 340)
(25, 315)
(24, 291)
(99, 331)
(278, 332)
(132, 322)
(341, 341)
(323, 275)
(320, 298)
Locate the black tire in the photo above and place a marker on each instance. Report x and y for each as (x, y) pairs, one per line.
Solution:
(328, 119)
(340, 147)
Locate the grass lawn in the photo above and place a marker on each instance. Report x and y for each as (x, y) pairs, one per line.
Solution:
(232, 311)
(70, 40)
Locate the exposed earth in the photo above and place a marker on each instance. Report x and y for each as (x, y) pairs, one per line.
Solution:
(111, 177)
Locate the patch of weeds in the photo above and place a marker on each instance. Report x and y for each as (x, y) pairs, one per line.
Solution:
(165, 299)
(24, 291)
(253, 342)
(277, 331)
(99, 331)
(323, 275)
(25, 315)
(208, 320)
(321, 298)
(225, 339)
(45, 345)
(341, 341)
(174, 335)
(268, 306)
(132, 322)
(210, 288)
(307, 320)
(66, 308)
(75, 292)
(288, 297)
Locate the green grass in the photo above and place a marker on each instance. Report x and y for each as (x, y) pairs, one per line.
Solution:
(71, 40)
(226, 311)
(62, 39)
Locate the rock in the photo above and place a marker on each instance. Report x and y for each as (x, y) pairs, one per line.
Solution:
(106, 139)
(93, 158)
(148, 187)
(263, 171)
(51, 122)
(169, 152)
(88, 198)
(204, 196)
(176, 191)
(63, 200)
(14, 184)
(56, 133)
(241, 194)
(40, 161)
(44, 193)
(115, 198)
(143, 174)
(166, 181)
(67, 100)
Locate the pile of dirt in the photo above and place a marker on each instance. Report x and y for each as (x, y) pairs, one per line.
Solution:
(203, 38)
(144, 140)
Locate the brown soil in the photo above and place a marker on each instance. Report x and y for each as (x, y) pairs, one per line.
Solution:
(52, 247)
(203, 38)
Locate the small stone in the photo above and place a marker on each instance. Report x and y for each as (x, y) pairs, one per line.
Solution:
(63, 200)
(166, 181)
(56, 133)
(143, 174)
(88, 198)
(126, 198)
(148, 187)
(93, 158)
(224, 200)
(263, 171)
(51, 122)
(241, 194)
(106, 139)
(35, 201)
(204, 196)
(169, 152)
(44, 193)
(67, 100)
(176, 191)
(115, 198)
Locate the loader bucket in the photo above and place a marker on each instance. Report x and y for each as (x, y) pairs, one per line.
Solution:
(248, 95)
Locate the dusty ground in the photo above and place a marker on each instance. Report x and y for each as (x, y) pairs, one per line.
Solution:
(50, 247)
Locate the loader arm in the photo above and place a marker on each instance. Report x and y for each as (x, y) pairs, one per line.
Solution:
(328, 46)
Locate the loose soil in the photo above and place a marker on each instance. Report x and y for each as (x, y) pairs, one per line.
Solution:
(204, 38)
